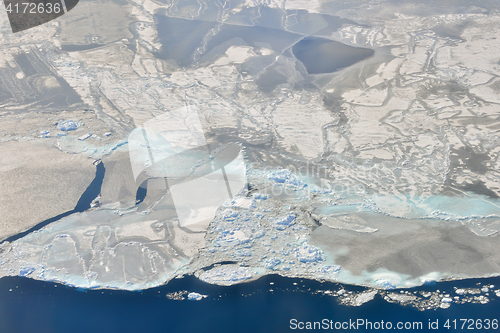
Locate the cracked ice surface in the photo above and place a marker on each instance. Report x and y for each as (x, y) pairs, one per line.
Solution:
(126, 251)
(382, 174)
(258, 234)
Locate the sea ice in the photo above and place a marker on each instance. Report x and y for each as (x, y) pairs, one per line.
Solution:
(25, 271)
(67, 125)
(272, 263)
(309, 253)
(195, 296)
(400, 179)
(226, 275)
(281, 223)
(85, 137)
(364, 297)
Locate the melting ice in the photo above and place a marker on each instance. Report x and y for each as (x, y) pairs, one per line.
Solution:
(259, 233)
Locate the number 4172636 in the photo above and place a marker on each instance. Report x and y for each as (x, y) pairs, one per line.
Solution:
(33, 8)
(471, 324)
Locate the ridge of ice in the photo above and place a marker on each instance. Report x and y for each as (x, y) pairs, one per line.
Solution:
(67, 125)
(226, 275)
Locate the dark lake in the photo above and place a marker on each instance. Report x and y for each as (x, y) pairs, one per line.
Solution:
(180, 38)
(321, 55)
(184, 40)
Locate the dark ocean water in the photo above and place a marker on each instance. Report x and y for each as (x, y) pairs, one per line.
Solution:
(33, 306)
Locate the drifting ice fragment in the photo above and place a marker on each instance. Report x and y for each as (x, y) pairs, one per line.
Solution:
(25, 271)
(67, 125)
(364, 297)
(45, 134)
(284, 176)
(330, 272)
(283, 222)
(309, 253)
(85, 137)
(195, 296)
(273, 262)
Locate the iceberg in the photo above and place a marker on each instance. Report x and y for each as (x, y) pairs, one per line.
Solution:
(85, 137)
(195, 296)
(67, 125)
